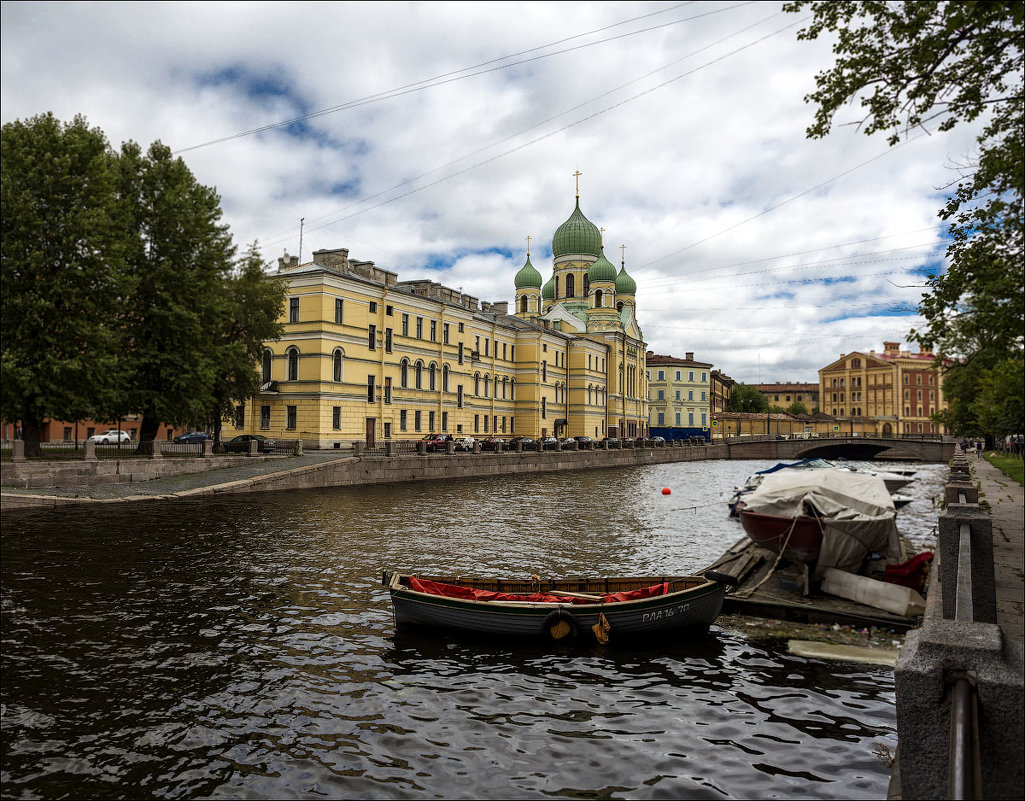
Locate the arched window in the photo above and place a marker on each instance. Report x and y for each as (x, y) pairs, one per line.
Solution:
(336, 366)
(418, 374)
(587, 285)
(556, 286)
(267, 357)
(597, 299)
(505, 387)
(487, 385)
(512, 389)
(293, 364)
(590, 390)
(619, 306)
(444, 378)
(570, 285)
(404, 373)
(432, 377)
(523, 304)
(476, 384)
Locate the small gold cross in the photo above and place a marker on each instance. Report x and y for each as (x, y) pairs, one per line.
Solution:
(577, 175)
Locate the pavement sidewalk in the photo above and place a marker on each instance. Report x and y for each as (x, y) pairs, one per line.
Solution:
(1006, 499)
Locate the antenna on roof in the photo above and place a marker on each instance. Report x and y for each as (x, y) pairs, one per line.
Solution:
(301, 221)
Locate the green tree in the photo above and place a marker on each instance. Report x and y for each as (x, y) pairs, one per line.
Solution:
(63, 278)
(250, 313)
(181, 257)
(797, 408)
(917, 65)
(746, 398)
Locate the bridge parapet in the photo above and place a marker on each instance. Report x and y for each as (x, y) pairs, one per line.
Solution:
(930, 449)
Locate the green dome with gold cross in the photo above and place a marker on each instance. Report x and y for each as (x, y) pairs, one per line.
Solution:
(578, 235)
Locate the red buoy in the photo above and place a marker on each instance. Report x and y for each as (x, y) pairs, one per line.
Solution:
(666, 491)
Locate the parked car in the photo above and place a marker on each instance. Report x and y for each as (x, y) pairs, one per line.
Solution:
(657, 440)
(492, 444)
(526, 443)
(584, 442)
(544, 444)
(464, 444)
(437, 443)
(192, 436)
(567, 444)
(627, 442)
(111, 437)
(609, 442)
(240, 444)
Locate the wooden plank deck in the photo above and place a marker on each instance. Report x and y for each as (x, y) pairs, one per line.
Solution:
(778, 590)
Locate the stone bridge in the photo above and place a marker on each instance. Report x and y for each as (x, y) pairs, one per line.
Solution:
(861, 448)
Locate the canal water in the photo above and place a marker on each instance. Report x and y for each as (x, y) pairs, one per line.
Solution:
(244, 648)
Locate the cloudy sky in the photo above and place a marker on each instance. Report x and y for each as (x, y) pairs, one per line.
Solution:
(434, 138)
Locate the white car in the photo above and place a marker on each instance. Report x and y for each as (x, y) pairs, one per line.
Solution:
(464, 444)
(112, 437)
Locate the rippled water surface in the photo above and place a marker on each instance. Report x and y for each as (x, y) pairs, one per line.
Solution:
(244, 648)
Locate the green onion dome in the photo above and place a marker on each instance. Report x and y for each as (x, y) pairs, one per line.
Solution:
(528, 277)
(625, 285)
(578, 235)
(602, 270)
(548, 290)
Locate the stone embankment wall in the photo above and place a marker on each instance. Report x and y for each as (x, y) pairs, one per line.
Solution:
(82, 473)
(358, 470)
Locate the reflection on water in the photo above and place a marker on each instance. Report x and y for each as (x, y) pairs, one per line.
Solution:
(244, 648)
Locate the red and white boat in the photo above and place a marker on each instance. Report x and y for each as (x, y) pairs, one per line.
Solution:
(825, 518)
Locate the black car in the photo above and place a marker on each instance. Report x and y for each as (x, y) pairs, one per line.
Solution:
(240, 444)
(609, 442)
(584, 443)
(492, 444)
(527, 443)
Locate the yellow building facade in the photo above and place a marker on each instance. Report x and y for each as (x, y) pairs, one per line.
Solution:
(366, 357)
(889, 393)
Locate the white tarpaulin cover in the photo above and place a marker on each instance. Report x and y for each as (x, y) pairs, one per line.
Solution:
(859, 516)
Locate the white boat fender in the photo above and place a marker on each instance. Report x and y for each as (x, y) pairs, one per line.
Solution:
(722, 578)
(559, 624)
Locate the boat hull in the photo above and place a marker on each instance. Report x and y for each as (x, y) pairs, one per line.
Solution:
(695, 607)
(800, 539)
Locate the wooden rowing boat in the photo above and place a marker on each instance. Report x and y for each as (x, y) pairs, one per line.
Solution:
(562, 608)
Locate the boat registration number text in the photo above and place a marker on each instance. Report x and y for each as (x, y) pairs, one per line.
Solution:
(661, 614)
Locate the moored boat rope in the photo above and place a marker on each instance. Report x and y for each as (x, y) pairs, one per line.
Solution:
(775, 564)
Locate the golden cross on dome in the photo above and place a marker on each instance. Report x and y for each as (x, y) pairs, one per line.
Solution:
(601, 232)
(577, 175)
(623, 250)
(528, 247)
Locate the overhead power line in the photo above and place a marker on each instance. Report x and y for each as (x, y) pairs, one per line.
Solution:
(470, 72)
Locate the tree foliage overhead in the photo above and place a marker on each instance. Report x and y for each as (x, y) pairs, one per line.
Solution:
(181, 256)
(746, 398)
(120, 288)
(933, 66)
(63, 275)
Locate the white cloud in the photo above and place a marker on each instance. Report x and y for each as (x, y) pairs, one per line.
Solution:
(684, 164)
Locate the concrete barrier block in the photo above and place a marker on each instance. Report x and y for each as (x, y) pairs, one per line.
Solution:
(932, 660)
(954, 489)
(982, 578)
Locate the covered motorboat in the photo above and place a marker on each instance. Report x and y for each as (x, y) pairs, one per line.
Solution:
(825, 518)
(894, 481)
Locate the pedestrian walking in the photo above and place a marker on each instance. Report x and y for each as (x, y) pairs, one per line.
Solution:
(978, 449)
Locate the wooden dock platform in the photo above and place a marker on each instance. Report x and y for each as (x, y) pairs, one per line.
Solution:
(776, 588)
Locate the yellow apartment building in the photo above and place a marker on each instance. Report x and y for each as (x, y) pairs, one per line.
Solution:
(889, 393)
(366, 357)
(679, 392)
